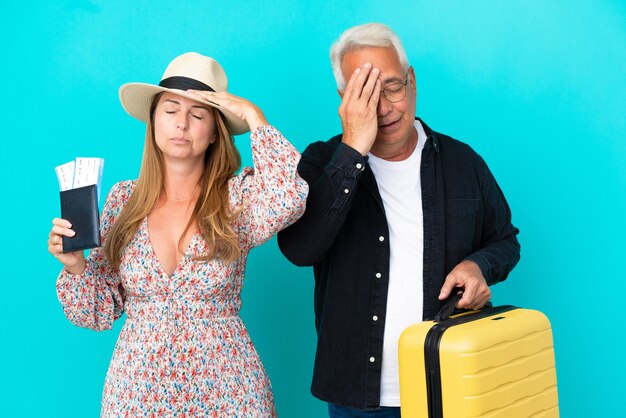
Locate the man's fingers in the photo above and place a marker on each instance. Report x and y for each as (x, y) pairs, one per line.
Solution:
(347, 94)
(376, 94)
(360, 85)
(471, 294)
(484, 298)
(475, 297)
(447, 287)
(347, 91)
(467, 275)
(368, 87)
(362, 76)
(466, 301)
(360, 80)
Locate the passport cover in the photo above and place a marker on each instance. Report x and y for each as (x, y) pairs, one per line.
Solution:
(80, 207)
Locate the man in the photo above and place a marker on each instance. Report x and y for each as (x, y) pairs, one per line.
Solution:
(397, 216)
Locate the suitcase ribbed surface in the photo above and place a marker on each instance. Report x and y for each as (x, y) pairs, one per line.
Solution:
(494, 367)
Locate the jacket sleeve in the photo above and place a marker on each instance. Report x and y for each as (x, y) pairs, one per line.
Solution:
(272, 195)
(500, 249)
(95, 298)
(332, 182)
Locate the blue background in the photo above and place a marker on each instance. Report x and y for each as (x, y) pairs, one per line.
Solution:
(536, 87)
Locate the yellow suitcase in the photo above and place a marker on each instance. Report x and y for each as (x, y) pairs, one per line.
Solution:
(493, 363)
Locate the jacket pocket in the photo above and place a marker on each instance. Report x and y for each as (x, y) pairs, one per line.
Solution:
(460, 223)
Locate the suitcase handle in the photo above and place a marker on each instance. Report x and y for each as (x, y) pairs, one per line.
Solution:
(449, 305)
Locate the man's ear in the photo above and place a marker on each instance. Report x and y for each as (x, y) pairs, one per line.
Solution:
(412, 78)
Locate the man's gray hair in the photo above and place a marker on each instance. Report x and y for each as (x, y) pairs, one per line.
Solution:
(364, 36)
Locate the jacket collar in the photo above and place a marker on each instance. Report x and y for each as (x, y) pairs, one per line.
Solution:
(432, 140)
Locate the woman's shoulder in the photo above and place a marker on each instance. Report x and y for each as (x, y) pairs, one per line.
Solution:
(122, 190)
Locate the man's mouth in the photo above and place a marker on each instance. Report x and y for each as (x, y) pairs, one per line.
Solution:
(388, 125)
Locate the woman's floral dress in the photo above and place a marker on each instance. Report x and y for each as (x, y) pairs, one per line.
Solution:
(183, 350)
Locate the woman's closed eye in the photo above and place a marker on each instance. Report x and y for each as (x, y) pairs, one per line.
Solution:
(195, 115)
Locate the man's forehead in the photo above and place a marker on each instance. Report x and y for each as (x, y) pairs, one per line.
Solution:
(366, 52)
(385, 58)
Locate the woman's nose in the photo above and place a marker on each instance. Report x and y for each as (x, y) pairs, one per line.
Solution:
(181, 123)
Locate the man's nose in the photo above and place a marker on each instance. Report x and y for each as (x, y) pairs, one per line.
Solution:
(384, 107)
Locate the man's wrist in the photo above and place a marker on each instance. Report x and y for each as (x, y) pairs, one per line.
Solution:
(355, 146)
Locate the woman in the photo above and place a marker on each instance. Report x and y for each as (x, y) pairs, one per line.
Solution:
(175, 247)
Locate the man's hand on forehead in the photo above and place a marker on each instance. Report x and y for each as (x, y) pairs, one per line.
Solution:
(358, 108)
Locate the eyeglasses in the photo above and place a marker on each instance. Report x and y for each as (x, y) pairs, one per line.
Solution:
(395, 92)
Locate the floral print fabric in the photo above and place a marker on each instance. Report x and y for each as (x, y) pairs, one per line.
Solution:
(183, 350)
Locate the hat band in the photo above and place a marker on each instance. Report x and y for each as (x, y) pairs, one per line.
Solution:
(184, 83)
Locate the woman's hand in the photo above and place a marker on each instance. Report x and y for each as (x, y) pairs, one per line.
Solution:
(73, 262)
(239, 106)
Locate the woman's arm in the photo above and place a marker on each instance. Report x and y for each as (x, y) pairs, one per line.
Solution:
(272, 195)
(90, 291)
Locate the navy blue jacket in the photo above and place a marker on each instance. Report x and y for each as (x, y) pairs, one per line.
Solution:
(344, 235)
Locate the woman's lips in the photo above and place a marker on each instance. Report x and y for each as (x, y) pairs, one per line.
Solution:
(180, 141)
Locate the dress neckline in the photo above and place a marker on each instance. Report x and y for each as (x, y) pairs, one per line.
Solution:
(186, 254)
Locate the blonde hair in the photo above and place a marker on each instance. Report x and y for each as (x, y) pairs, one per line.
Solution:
(364, 36)
(212, 210)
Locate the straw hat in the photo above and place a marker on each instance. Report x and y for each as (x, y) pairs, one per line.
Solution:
(188, 71)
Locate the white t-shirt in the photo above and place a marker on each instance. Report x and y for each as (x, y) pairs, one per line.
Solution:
(399, 184)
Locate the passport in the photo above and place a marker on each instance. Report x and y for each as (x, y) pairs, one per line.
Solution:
(80, 207)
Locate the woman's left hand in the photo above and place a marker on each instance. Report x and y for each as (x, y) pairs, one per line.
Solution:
(239, 106)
